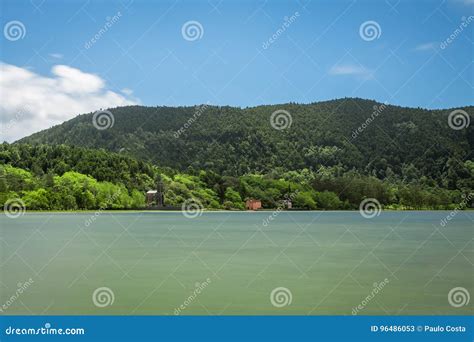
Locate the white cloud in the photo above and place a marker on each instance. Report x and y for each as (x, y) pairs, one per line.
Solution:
(31, 102)
(56, 55)
(350, 69)
(127, 91)
(426, 46)
(74, 81)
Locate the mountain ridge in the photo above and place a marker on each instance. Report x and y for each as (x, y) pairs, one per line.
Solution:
(234, 141)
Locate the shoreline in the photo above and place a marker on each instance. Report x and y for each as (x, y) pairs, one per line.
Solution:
(132, 211)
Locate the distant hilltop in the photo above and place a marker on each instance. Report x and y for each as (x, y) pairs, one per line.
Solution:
(349, 134)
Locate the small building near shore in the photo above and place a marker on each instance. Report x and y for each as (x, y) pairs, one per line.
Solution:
(150, 197)
(287, 204)
(156, 197)
(253, 204)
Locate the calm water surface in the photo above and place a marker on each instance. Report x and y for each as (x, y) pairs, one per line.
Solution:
(154, 263)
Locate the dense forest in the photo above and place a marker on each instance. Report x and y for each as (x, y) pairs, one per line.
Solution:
(61, 177)
(331, 155)
(407, 143)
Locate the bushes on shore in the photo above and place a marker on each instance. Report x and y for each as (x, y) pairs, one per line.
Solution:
(72, 178)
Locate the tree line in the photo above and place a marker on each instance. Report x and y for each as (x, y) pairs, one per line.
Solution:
(62, 177)
(399, 144)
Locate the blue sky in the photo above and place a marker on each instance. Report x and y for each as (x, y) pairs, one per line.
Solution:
(320, 54)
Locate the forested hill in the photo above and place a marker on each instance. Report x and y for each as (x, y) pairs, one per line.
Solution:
(347, 134)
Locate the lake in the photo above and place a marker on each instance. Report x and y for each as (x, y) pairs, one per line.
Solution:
(162, 263)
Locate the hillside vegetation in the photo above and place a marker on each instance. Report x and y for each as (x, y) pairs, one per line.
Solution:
(334, 154)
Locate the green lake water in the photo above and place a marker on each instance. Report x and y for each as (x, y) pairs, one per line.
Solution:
(153, 263)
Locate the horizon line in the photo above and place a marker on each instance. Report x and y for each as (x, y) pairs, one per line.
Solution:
(386, 103)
